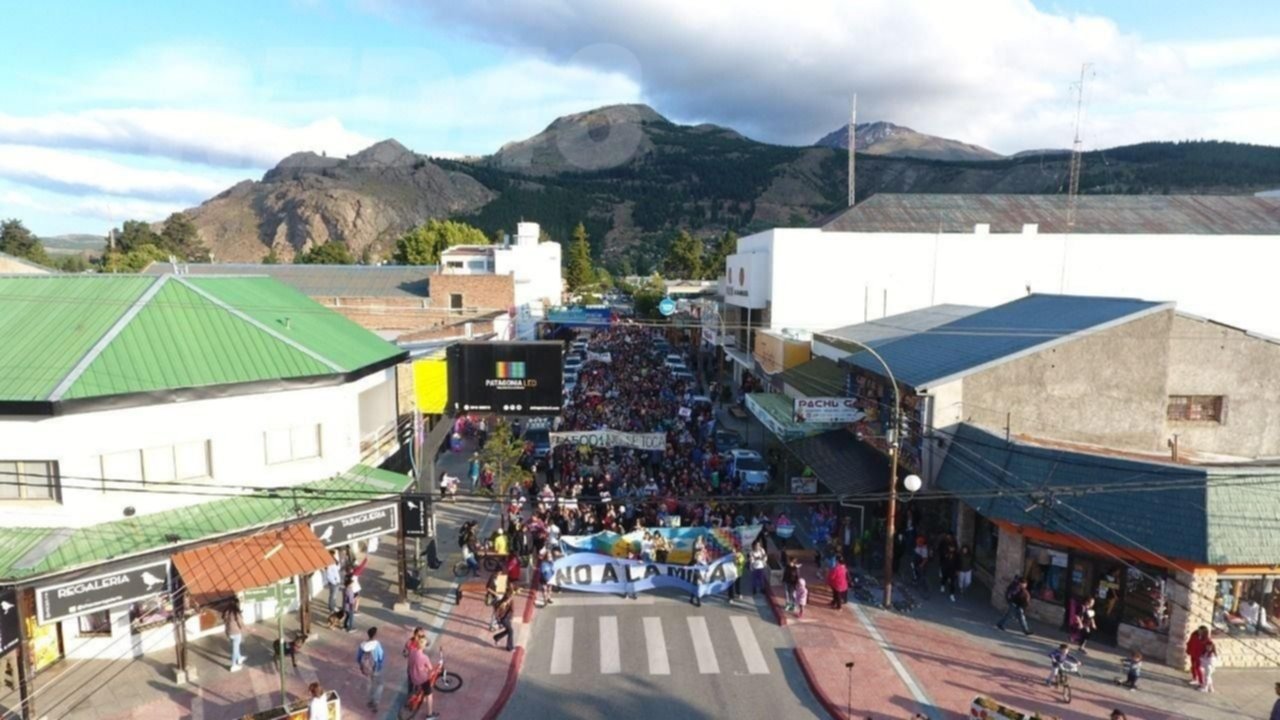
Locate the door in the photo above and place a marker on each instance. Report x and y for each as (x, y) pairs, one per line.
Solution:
(1106, 592)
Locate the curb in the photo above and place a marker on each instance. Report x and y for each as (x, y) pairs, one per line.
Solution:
(529, 605)
(779, 614)
(823, 699)
(513, 673)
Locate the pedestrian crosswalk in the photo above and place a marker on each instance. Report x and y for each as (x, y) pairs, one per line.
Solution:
(715, 645)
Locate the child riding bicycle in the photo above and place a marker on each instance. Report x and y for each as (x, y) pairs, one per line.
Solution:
(1061, 661)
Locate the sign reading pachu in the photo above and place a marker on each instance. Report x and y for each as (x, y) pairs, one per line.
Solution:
(592, 572)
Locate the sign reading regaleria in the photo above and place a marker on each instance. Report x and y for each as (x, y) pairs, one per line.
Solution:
(99, 592)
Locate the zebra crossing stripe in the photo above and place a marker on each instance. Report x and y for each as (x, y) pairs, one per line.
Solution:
(750, 647)
(703, 650)
(657, 646)
(562, 647)
(610, 650)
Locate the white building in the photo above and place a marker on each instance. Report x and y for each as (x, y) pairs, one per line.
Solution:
(534, 265)
(896, 253)
(157, 416)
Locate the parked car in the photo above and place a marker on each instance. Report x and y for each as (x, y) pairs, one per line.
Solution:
(727, 440)
(572, 363)
(751, 473)
(541, 439)
(740, 454)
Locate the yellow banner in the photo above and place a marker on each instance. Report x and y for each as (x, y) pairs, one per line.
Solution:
(431, 385)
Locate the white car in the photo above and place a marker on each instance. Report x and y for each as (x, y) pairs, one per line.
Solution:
(742, 454)
(572, 364)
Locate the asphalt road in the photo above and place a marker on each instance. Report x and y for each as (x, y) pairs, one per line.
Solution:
(603, 656)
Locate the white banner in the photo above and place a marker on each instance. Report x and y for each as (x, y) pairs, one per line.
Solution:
(611, 438)
(601, 573)
(604, 357)
(827, 410)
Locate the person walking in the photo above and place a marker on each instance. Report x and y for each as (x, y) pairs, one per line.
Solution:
(1275, 709)
(1086, 622)
(233, 619)
(473, 470)
(1208, 663)
(949, 566)
(1195, 649)
(318, 704)
(333, 579)
(801, 597)
(421, 675)
(503, 612)
(700, 561)
(964, 570)
(370, 659)
(547, 570)
(838, 581)
(1018, 598)
(739, 567)
(759, 568)
(349, 595)
(790, 576)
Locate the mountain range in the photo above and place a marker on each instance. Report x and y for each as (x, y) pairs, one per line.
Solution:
(633, 177)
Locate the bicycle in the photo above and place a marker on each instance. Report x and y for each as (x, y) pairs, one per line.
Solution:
(1062, 681)
(489, 562)
(442, 680)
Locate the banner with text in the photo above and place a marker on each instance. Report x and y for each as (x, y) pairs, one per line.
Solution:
(604, 357)
(611, 438)
(827, 410)
(592, 572)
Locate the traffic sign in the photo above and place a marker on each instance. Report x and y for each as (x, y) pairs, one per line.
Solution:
(667, 307)
(288, 592)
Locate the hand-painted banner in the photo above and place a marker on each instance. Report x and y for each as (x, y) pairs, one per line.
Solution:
(604, 357)
(680, 541)
(611, 438)
(592, 572)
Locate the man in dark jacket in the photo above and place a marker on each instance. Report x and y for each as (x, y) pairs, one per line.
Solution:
(1018, 598)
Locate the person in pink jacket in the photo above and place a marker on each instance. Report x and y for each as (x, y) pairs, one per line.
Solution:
(422, 674)
(838, 581)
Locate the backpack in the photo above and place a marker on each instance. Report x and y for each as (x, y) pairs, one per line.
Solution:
(1012, 592)
(366, 663)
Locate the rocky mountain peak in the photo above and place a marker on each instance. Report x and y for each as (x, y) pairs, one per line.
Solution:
(386, 152)
(886, 138)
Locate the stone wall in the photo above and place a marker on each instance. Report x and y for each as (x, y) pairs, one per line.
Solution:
(1009, 552)
(1190, 606)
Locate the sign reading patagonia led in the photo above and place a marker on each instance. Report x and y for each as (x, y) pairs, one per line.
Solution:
(611, 438)
(827, 410)
(99, 592)
(591, 572)
(357, 526)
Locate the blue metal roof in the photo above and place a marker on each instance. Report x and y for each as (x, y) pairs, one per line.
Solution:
(997, 335)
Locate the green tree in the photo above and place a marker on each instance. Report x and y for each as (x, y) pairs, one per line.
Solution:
(135, 260)
(333, 252)
(684, 257)
(133, 235)
(724, 247)
(646, 297)
(578, 271)
(18, 241)
(423, 244)
(271, 258)
(501, 454)
(71, 263)
(179, 236)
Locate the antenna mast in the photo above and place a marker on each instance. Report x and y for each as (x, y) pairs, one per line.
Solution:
(853, 133)
(1073, 184)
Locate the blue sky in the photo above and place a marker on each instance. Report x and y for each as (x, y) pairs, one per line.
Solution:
(134, 110)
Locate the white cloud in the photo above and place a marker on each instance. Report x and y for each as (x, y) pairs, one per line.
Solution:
(77, 174)
(996, 72)
(198, 136)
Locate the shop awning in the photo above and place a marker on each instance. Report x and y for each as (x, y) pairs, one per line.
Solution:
(843, 463)
(777, 411)
(216, 572)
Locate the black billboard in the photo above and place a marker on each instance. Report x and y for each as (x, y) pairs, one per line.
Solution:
(366, 523)
(101, 591)
(413, 508)
(8, 620)
(511, 378)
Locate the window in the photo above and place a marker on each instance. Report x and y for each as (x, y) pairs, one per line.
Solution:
(149, 613)
(1197, 408)
(1046, 573)
(297, 443)
(1146, 599)
(1247, 605)
(98, 623)
(28, 480)
(455, 301)
(163, 464)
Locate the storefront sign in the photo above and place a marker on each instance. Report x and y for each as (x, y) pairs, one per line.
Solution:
(413, 507)
(9, 627)
(827, 410)
(99, 592)
(804, 485)
(611, 438)
(357, 526)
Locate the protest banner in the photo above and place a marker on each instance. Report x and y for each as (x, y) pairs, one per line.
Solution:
(604, 357)
(611, 438)
(592, 572)
(680, 541)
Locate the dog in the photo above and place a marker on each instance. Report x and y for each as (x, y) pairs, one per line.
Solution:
(291, 649)
(335, 619)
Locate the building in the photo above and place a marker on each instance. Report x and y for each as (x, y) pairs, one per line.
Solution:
(896, 253)
(159, 432)
(533, 267)
(1103, 447)
(11, 265)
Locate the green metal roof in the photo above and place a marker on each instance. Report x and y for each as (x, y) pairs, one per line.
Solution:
(819, 377)
(73, 337)
(22, 556)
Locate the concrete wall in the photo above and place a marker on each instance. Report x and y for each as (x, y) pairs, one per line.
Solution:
(1207, 358)
(1106, 388)
(234, 427)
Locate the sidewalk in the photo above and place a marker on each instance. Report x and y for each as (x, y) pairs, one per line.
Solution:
(143, 688)
(932, 660)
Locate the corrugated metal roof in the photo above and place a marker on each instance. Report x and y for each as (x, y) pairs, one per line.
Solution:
(843, 463)
(819, 377)
(1095, 214)
(72, 337)
(97, 543)
(1243, 517)
(878, 332)
(324, 280)
(1000, 334)
(1172, 522)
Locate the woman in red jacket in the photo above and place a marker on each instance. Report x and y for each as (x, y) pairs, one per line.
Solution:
(1195, 649)
(838, 580)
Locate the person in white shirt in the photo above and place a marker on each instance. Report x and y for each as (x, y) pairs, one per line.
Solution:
(318, 705)
(333, 578)
(759, 568)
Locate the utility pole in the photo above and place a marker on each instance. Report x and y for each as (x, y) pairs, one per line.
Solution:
(1073, 178)
(853, 137)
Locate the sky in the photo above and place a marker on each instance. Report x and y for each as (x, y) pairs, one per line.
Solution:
(115, 111)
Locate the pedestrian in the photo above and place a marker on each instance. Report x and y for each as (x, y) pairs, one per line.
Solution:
(739, 566)
(949, 566)
(469, 557)
(1208, 663)
(802, 597)
(548, 571)
(473, 470)
(370, 658)
(349, 604)
(233, 619)
(1275, 709)
(422, 675)
(503, 612)
(1086, 622)
(964, 571)
(513, 568)
(759, 568)
(1018, 598)
(790, 576)
(700, 561)
(492, 594)
(1195, 649)
(318, 705)
(1118, 714)
(500, 543)
(1133, 670)
(416, 640)
(333, 579)
(838, 581)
